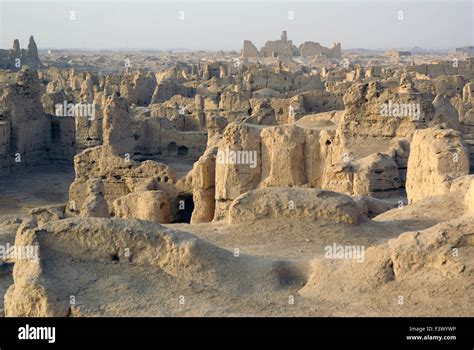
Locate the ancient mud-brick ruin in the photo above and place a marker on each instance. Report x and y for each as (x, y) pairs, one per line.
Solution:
(284, 48)
(15, 58)
(251, 178)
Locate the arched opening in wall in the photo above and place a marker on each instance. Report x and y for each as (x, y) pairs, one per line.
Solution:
(172, 148)
(185, 205)
(182, 151)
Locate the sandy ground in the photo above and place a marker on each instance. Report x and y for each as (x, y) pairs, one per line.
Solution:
(294, 240)
(34, 187)
(26, 189)
(120, 289)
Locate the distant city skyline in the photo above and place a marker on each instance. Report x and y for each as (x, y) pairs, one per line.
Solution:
(224, 25)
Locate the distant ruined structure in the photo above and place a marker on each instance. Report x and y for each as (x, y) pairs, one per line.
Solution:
(468, 50)
(15, 58)
(397, 54)
(285, 47)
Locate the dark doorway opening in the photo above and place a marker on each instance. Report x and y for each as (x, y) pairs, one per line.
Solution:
(55, 132)
(172, 148)
(182, 151)
(185, 205)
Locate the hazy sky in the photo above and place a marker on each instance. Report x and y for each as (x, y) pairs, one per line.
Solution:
(212, 25)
